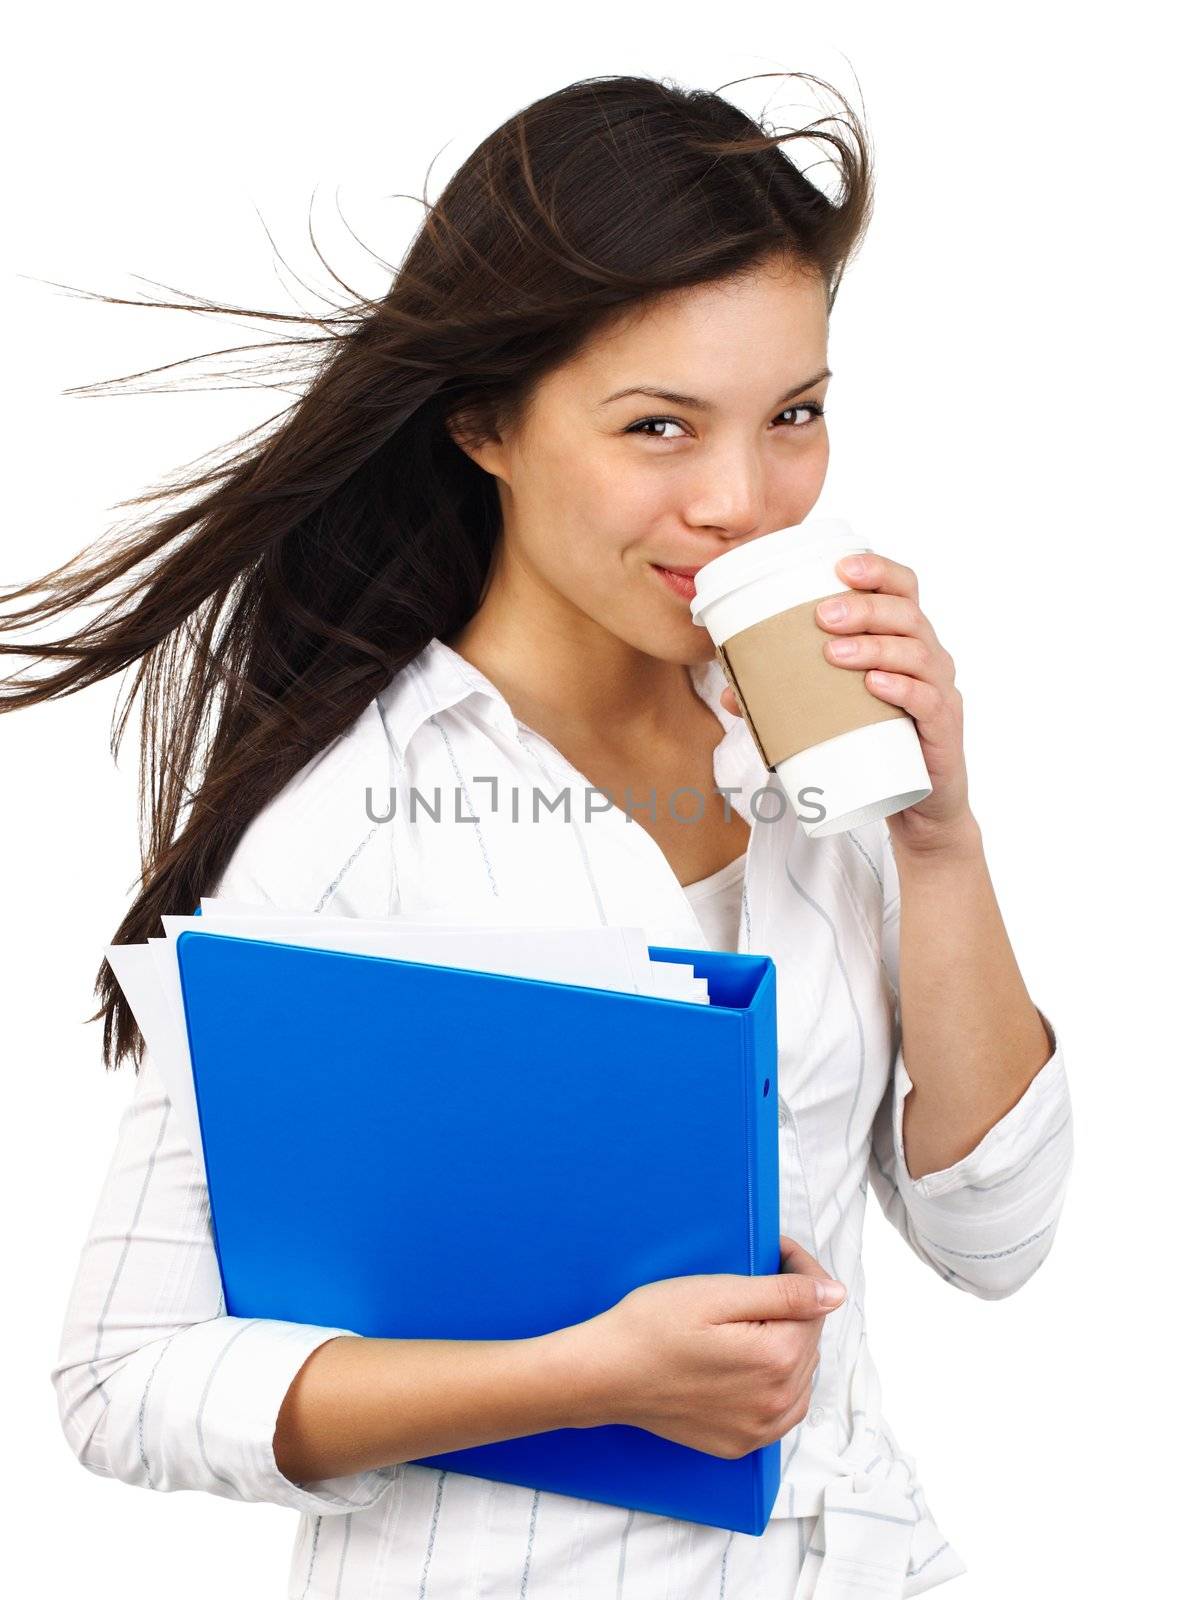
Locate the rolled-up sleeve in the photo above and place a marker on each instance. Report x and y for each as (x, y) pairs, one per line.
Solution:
(987, 1222)
(155, 1384)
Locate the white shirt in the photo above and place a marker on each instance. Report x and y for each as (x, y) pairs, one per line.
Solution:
(158, 1387)
(716, 902)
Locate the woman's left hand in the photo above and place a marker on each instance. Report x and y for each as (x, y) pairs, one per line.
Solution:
(905, 663)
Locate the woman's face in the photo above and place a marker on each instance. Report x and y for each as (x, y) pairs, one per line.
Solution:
(599, 489)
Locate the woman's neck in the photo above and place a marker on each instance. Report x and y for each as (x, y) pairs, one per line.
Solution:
(594, 686)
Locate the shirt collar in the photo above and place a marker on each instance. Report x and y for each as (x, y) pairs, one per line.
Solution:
(439, 678)
(434, 680)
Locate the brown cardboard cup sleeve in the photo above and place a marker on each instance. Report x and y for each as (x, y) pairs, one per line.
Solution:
(791, 695)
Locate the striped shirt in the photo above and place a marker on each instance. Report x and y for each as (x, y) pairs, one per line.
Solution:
(438, 799)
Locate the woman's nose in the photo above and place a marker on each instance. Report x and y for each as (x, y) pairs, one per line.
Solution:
(731, 499)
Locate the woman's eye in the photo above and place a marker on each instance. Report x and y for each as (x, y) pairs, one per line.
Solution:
(653, 422)
(810, 409)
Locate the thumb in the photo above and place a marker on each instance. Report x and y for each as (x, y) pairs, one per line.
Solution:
(800, 1290)
(798, 1267)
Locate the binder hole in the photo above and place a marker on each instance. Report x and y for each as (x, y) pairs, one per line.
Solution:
(766, 1088)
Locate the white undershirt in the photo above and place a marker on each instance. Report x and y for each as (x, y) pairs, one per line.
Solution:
(716, 904)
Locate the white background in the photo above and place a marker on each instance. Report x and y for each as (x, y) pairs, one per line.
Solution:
(1003, 418)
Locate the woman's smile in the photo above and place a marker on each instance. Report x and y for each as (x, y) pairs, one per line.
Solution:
(683, 587)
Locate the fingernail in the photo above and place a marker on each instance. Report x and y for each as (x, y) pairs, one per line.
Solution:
(829, 1293)
(855, 565)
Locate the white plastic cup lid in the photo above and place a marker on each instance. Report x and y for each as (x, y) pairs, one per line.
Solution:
(771, 552)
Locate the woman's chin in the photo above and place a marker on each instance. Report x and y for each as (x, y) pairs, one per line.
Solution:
(687, 652)
(701, 645)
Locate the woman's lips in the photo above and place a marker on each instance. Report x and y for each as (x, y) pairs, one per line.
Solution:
(683, 587)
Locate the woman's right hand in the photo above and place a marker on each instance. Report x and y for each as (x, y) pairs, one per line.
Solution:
(719, 1361)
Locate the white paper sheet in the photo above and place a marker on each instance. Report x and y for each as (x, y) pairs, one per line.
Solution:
(585, 956)
(138, 972)
(602, 958)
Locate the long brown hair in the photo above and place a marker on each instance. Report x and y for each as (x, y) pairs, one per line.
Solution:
(283, 587)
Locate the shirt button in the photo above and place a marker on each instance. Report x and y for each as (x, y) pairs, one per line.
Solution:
(782, 1110)
(817, 1415)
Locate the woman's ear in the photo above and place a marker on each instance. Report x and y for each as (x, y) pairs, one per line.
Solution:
(459, 426)
(472, 432)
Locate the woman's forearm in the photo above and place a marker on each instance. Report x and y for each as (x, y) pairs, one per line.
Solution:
(359, 1403)
(972, 1037)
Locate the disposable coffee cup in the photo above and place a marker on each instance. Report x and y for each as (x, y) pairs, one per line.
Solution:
(844, 756)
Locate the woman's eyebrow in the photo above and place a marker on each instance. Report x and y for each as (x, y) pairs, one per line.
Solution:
(693, 404)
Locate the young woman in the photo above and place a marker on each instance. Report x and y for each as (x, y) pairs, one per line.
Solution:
(453, 567)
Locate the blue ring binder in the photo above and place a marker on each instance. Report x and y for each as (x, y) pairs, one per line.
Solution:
(365, 1119)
